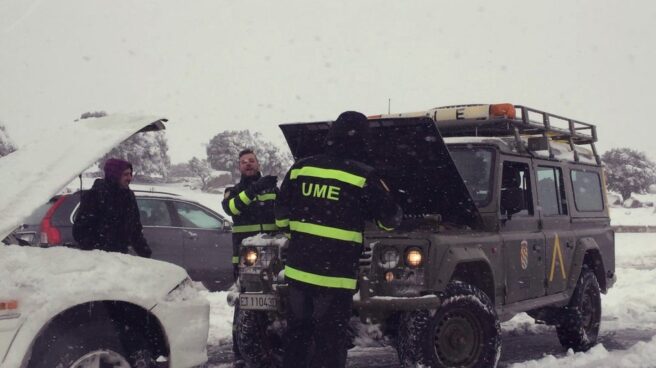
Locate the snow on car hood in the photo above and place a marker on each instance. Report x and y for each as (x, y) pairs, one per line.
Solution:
(39, 169)
(43, 279)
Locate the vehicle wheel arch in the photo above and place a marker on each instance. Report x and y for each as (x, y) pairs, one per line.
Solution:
(587, 254)
(140, 319)
(469, 265)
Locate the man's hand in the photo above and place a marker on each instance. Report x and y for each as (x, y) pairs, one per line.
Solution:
(265, 182)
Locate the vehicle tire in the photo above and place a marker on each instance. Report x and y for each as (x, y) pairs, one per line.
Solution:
(578, 325)
(260, 346)
(463, 332)
(79, 346)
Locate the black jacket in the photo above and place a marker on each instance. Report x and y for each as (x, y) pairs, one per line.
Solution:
(251, 212)
(108, 219)
(325, 200)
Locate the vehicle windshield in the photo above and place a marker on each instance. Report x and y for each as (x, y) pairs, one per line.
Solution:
(475, 167)
(38, 214)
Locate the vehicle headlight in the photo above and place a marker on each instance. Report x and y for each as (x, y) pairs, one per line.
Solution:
(250, 256)
(389, 258)
(413, 257)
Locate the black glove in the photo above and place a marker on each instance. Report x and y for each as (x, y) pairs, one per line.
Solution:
(265, 182)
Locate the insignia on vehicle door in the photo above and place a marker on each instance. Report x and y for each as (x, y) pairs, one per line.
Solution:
(559, 253)
(523, 252)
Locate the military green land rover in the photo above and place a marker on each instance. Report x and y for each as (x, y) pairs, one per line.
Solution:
(504, 212)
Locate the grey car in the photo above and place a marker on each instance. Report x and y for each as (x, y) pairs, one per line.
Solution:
(178, 230)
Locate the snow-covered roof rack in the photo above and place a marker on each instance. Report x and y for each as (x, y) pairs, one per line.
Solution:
(503, 120)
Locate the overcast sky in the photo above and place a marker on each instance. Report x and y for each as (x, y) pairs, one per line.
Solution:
(213, 65)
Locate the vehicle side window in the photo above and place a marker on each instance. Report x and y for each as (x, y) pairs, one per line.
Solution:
(516, 196)
(551, 191)
(153, 212)
(194, 216)
(587, 190)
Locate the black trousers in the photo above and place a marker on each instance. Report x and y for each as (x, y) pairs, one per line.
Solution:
(317, 324)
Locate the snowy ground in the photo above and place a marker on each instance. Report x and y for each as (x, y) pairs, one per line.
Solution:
(629, 316)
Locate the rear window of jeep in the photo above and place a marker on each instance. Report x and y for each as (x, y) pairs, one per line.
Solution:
(587, 191)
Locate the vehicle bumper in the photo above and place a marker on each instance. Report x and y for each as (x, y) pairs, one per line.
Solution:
(186, 324)
(390, 303)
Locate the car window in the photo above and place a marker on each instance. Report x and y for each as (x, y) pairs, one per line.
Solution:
(587, 191)
(38, 214)
(475, 167)
(516, 178)
(153, 212)
(551, 193)
(194, 216)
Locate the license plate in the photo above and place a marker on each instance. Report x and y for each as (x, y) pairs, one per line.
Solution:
(258, 301)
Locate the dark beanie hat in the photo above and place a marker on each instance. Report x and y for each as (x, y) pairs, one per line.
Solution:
(114, 167)
(349, 126)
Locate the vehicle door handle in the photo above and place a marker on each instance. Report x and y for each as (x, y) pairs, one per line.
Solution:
(191, 235)
(537, 247)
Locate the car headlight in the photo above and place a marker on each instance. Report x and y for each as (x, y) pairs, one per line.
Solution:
(413, 257)
(250, 256)
(389, 258)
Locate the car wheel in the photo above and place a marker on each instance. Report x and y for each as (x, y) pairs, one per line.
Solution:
(260, 346)
(578, 325)
(463, 332)
(89, 346)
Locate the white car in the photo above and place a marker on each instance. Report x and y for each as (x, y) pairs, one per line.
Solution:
(69, 308)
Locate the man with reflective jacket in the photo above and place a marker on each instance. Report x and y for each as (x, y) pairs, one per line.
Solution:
(250, 203)
(323, 203)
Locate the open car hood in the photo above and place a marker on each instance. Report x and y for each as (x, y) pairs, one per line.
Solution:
(39, 169)
(410, 155)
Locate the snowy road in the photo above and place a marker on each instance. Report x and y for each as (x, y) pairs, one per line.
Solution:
(628, 324)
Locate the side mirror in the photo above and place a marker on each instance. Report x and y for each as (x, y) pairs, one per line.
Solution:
(226, 226)
(512, 201)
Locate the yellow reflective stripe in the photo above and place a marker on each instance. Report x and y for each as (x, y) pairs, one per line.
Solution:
(282, 222)
(314, 279)
(233, 208)
(244, 198)
(235, 259)
(254, 228)
(326, 231)
(380, 225)
(318, 172)
(266, 197)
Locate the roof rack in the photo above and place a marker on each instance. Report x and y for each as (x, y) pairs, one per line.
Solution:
(524, 121)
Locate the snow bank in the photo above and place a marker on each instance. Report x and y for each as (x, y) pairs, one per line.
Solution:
(220, 318)
(642, 354)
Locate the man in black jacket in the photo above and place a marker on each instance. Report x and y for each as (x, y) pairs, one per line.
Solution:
(324, 202)
(250, 203)
(108, 218)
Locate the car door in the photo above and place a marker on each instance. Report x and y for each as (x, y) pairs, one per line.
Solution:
(556, 225)
(164, 238)
(523, 242)
(207, 245)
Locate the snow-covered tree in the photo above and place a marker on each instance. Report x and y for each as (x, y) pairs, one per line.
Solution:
(223, 152)
(202, 170)
(628, 171)
(148, 152)
(6, 145)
